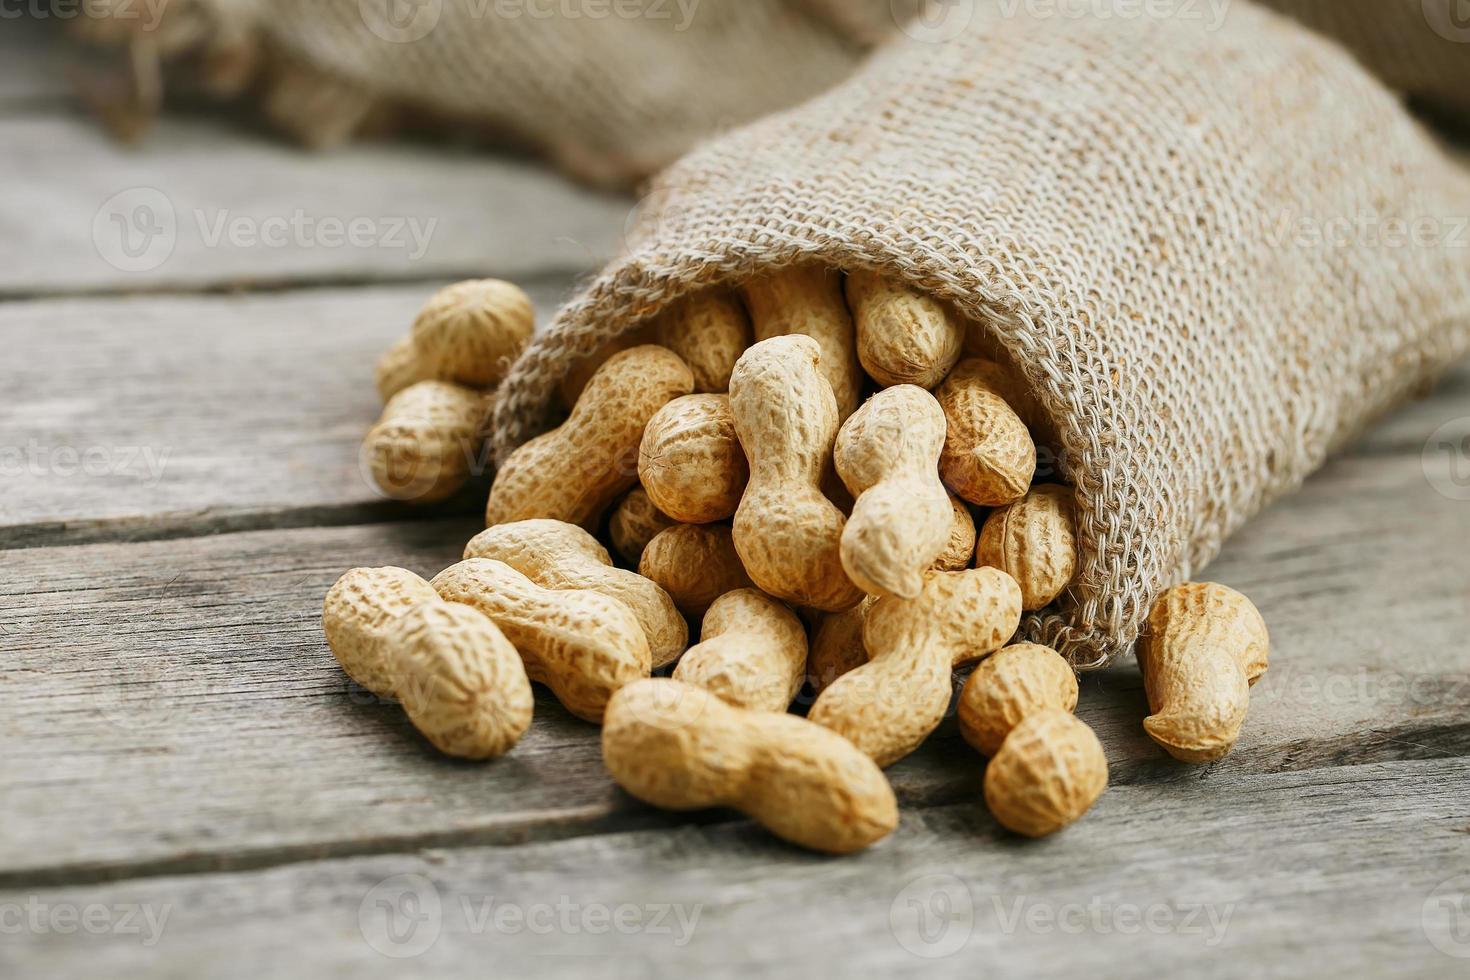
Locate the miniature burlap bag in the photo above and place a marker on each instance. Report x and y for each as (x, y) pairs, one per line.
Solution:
(1211, 255)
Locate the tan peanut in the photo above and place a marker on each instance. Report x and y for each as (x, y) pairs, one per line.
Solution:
(460, 681)
(359, 611)
(634, 523)
(695, 564)
(426, 445)
(807, 299)
(788, 533)
(582, 370)
(887, 454)
(555, 555)
(752, 652)
(679, 747)
(573, 472)
(709, 331)
(1034, 539)
(960, 551)
(989, 457)
(399, 367)
(889, 705)
(581, 644)
(903, 336)
(690, 461)
(837, 646)
(470, 332)
(1203, 648)
(1049, 771)
(1017, 681)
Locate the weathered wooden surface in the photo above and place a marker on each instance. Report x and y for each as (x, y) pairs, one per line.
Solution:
(167, 415)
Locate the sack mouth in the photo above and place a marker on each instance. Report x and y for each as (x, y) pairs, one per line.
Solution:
(637, 288)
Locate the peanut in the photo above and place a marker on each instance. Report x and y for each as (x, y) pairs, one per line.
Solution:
(695, 564)
(903, 337)
(960, 550)
(358, 613)
(681, 748)
(837, 646)
(573, 472)
(709, 331)
(563, 556)
(582, 370)
(425, 445)
(1034, 540)
(460, 681)
(887, 454)
(470, 332)
(690, 461)
(787, 532)
(634, 523)
(1018, 681)
(808, 300)
(1048, 772)
(399, 367)
(989, 457)
(1203, 648)
(890, 704)
(581, 644)
(752, 652)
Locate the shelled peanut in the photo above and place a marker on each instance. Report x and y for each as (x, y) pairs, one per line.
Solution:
(726, 448)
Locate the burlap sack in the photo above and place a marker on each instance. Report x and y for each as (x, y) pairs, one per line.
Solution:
(613, 90)
(1212, 255)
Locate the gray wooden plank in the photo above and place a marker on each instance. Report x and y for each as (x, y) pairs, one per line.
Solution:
(1357, 871)
(167, 415)
(202, 204)
(171, 705)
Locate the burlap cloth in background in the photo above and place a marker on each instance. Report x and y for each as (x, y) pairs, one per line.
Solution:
(1183, 239)
(614, 98)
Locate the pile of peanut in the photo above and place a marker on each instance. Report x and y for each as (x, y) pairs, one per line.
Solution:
(798, 469)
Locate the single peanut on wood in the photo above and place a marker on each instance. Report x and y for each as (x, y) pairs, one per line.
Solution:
(752, 652)
(634, 523)
(460, 681)
(989, 458)
(1049, 770)
(555, 555)
(426, 445)
(399, 367)
(573, 472)
(358, 613)
(470, 332)
(787, 532)
(890, 704)
(808, 300)
(690, 461)
(837, 646)
(709, 331)
(960, 551)
(903, 336)
(581, 644)
(1035, 541)
(887, 454)
(681, 748)
(1019, 680)
(695, 564)
(1203, 648)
